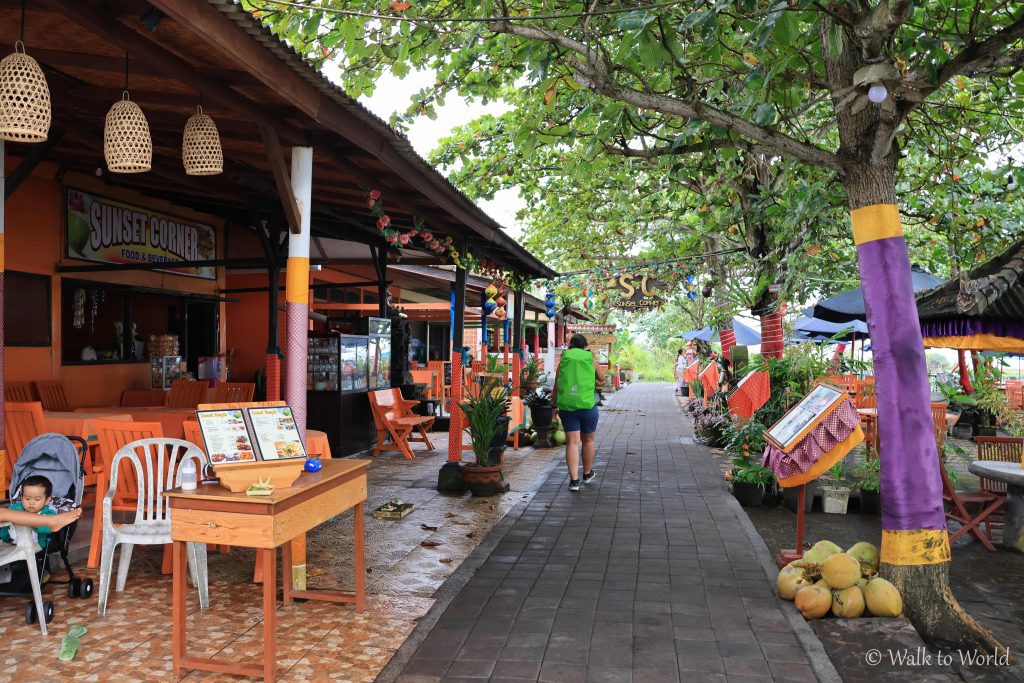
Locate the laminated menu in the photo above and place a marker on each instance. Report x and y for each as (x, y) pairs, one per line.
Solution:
(248, 435)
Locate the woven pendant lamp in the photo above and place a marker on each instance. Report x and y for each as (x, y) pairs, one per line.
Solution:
(24, 98)
(127, 145)
(200, 146)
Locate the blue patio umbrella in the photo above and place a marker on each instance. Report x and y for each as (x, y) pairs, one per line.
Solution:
(807, 328)
(745, 334)
(849, 306)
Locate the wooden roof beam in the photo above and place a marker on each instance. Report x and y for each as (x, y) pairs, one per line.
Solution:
(104, 25)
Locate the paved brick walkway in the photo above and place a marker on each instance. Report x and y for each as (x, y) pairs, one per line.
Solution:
(648, 574)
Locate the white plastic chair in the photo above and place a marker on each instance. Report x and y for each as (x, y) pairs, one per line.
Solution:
(156, 463)
(23, 549)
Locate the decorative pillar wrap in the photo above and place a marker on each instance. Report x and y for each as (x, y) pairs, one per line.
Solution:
(454, 413)
(771, 335)
(517, 359)
(3, 265)
(965, 379)
(296, 295)
(273, 377)
(913, 522)
(728, 338)
(536, 342)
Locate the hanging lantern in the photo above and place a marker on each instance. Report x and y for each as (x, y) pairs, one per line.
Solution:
(200, 146)
(491, 291)
(550, 312)
(501, 301)
(127, 145)
(489, 306)
(24, 98)
(499, 313)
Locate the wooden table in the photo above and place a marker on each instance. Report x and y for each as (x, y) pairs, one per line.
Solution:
(872, 413)
(212, 514)
(1013, 474)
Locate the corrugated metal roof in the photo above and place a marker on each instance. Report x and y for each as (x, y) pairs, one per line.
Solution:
(401, 144)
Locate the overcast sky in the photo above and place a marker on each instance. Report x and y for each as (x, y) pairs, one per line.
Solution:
(393, 95)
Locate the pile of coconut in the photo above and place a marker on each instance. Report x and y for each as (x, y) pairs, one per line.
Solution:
(847, 583)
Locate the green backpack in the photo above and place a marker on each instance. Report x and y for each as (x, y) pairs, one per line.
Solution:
(576, 380)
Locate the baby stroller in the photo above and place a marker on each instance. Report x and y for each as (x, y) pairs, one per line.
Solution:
(54, 457)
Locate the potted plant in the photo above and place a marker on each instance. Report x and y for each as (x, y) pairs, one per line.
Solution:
(529, 378)
(487, 425)
(541, 409)
(750, 479)
(836, 497)
(870, 482)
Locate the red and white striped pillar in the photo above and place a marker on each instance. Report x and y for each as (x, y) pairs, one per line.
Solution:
(771, 334)
(728, 338)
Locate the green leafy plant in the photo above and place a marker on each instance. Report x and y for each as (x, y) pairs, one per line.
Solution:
(948, 453)
(493, 365)
(745, 437)
(868, 475)
(836, 474)
(482, 411)
(538, 398)
(531, 371)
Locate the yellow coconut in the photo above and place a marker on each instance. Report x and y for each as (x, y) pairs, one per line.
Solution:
(841, 571)
(790, 580)
(813, 602)
(866, 554)
(821, 551)
(848, 603)
(883, 599)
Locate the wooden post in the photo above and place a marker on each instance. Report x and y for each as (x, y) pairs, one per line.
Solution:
(3, 418)
(297, 306)
(517, 341)
(792, 554)
(458, 322)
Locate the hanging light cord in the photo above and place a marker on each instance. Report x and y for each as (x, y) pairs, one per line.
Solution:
(21, 33)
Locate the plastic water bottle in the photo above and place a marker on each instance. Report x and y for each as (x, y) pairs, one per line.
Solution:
(188, 475)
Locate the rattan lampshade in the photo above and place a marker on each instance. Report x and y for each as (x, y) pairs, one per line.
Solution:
(24, 98)
(200, 146)
(127, 145)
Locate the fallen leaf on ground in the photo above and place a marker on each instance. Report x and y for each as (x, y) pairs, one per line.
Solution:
(430, 544)
(471, 534)
(446, 560)
(449, 515)
(427, 527)
(460, 522)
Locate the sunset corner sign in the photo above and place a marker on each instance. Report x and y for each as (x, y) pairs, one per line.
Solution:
(109, 231)
(631, 292)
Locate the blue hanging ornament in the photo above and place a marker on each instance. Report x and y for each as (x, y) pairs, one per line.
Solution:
(489, 306)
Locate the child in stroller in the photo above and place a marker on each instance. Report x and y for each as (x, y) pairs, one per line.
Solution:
(53, 457)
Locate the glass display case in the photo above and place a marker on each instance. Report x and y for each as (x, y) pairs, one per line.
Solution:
(322, 369)
(354, 364)
(163, 370)
(380, 353)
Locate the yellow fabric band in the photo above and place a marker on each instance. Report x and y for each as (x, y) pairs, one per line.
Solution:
(296, 289)
(876, 222)
(915, 546)
(989, 342)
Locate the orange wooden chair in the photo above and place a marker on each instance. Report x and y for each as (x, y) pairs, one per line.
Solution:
(18, 392)
(393, 417)
(143, 398)
(113, 434)
(234, 392)
(187, 394)
(52, 396)
(425, 377)
(438, 367)
(939, 421)
(970, 509)
(25, 422)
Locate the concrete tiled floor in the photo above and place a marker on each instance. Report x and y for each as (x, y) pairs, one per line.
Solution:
(316, 641)
(647, 574)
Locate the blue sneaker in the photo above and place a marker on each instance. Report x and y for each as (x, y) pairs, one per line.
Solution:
(588, 477)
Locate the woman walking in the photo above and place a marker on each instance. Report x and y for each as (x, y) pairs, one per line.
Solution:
(680, 366)
(575, 400)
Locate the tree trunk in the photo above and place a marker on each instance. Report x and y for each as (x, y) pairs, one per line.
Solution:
(915, 545)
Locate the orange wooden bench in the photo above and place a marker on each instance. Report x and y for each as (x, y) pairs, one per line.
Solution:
(393, 417)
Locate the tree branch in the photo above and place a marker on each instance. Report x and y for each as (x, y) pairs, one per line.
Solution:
(670, 150)
(593, 73)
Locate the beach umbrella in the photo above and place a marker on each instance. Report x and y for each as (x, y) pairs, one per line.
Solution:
(808, 328)
(745, 334)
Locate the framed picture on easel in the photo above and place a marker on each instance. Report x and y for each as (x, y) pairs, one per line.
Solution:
(804, 416)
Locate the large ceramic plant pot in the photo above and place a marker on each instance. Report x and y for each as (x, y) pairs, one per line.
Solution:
(484, 481)
(748, 495)
(542, 416)
(870, 502)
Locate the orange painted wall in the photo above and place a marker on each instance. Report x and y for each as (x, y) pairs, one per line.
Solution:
(34, 227)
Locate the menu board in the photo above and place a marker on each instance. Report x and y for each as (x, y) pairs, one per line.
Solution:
(236, 435)
(275, 432)
(226, 435)
(804, 415)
